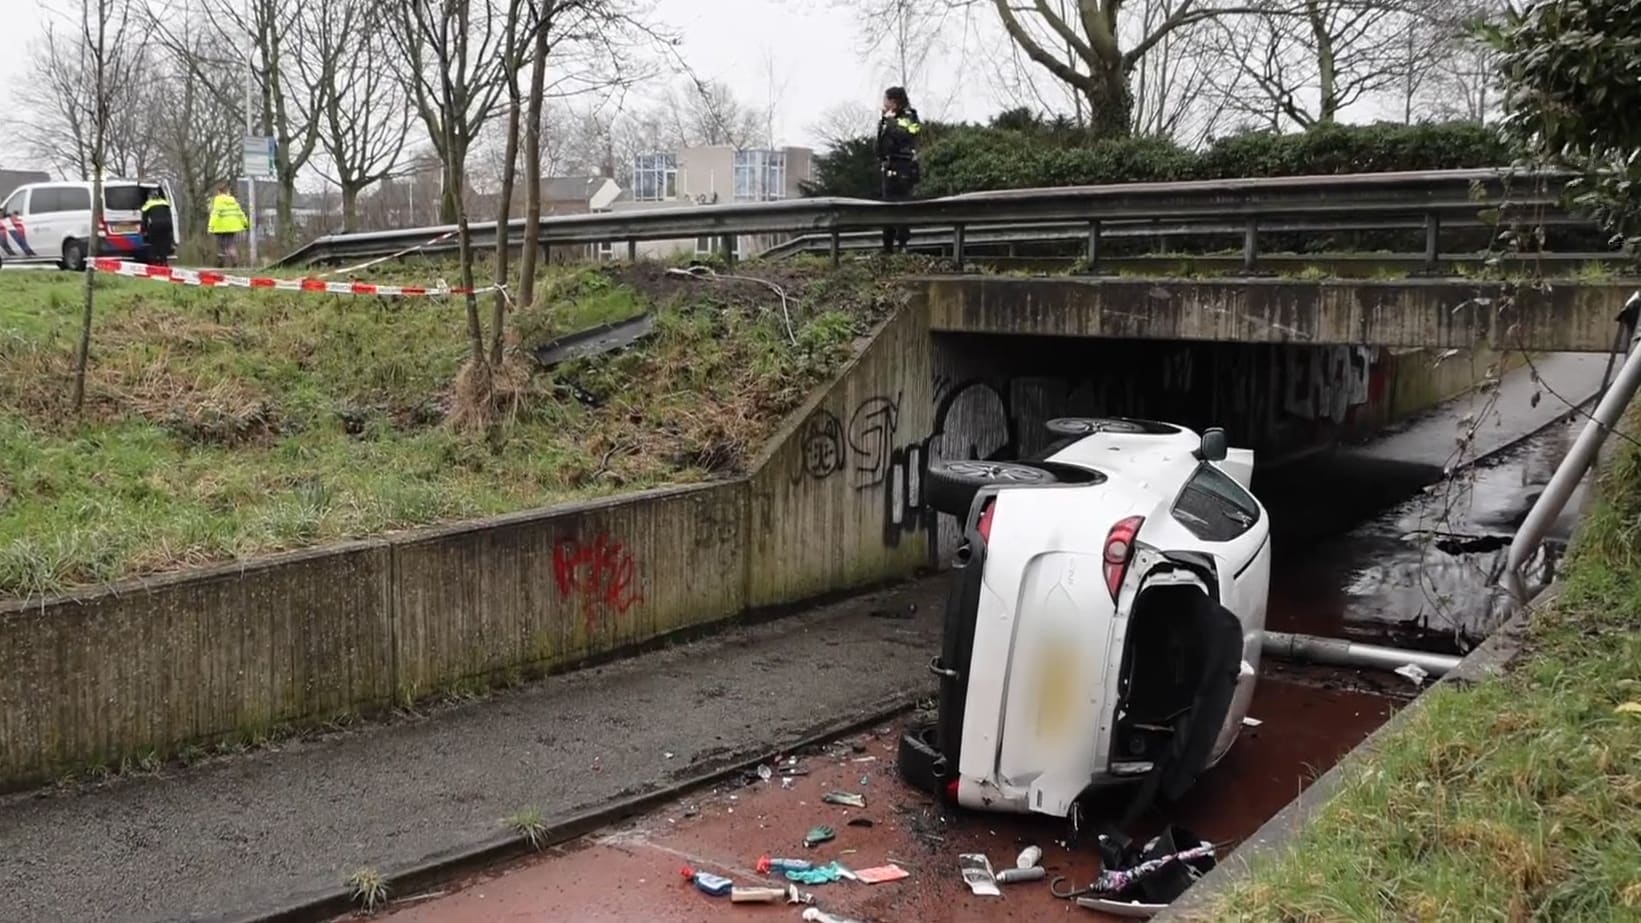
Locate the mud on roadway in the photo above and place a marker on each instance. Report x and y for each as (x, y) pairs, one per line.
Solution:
(1308, 718)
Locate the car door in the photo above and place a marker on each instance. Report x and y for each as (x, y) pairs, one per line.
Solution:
(14, 238)
(46, 222)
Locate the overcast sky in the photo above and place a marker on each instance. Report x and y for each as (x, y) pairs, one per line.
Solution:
(815, 48)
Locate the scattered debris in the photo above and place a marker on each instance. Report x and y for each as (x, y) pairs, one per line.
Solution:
(1414, 673)
(765, 773)
(794, 896)
(707, 883)
(787, 782)
(755, 895)
(1132, 909)
(864, 759)
(1251, 722)
(861, 822)
(847, 799)
(844, 870)
(1014, 876)
(881, 874)
(977, 874)
(1155, 875)
(668, 755)
(766, 865)
(820, 875)
(819, 835)
(817, 915)
(594, 341)
(1028, 857)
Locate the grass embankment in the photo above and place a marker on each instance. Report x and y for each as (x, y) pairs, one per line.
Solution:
(225, 423)
(1518, 798)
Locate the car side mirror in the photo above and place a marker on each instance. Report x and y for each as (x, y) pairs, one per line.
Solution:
(1215, 447)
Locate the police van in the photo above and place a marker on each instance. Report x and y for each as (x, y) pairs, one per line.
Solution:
(51, 222)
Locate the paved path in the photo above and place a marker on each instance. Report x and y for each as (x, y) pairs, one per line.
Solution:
(246, 833)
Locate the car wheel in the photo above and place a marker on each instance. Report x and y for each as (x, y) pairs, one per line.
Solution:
(1088, 426)
(950, 486)
(73, 256)
(920, 764)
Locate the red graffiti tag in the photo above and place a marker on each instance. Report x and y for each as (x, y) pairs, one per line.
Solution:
(602, 573)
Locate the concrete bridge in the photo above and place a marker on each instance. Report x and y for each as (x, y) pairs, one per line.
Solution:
(1542, 316)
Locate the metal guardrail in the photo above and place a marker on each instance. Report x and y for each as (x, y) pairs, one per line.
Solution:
(1426, 200)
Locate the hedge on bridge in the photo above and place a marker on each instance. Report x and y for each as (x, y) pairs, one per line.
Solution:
(1017, 151)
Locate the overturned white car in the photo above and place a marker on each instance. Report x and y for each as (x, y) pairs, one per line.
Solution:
(1105, 619)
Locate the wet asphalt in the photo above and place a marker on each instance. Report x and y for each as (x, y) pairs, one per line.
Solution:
(246, 833)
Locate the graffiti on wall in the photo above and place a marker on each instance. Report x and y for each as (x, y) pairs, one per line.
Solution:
(821, 441)
(600, 573)
(1326, 382)
(872, 430)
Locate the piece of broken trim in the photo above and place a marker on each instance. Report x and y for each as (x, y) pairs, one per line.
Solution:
(594, 341)
(1132, 909)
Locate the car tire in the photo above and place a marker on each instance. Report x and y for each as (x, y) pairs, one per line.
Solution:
(919, 763)
(73, 255)
(1089, 426)
(950, 487)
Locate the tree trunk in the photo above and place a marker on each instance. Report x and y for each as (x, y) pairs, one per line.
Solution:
(1110, 103)
(504, 214)
(454, 179)
(1327, 77)
(532, 173)
(350, 206)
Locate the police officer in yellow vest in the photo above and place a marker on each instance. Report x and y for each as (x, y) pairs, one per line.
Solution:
(228, 221)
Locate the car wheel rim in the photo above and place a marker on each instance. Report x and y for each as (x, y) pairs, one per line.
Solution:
(992, 471)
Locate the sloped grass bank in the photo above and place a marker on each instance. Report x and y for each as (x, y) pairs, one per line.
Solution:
(1517, 798)
(226, 423)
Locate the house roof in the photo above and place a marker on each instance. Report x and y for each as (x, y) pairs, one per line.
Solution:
(11, 179)
(579, 188)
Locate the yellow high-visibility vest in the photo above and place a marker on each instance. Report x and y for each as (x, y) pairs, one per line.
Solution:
(227, 217)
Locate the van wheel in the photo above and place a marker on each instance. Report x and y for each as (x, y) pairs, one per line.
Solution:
(73, 256)
(950, 486)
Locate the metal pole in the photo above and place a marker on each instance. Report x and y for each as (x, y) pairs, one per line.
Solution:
(1093, 245)
(1283, 646)
(1432, 231)
(1250, 244)
(250, 82)
(957, 246)
(1579, 458)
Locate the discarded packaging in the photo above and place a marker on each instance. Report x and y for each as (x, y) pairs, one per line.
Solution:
(1028, 857)
(847, 799)
(825, 874)
(1414, 673)
(794, 896)
(755, 895)
(1251, 722)
(708, 883)
(819, 835)
(977, 874)
(1015, 876)
(881, 874)
(817, 915)
(765, 773)
(845, 871)
(766, 865)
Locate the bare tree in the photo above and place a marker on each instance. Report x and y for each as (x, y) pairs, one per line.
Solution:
(197, 138)
(706, 113)
(1171, 84)
(901, 35)
(109, 64)
(1301, 62)
(53, 122)
(1459, 76)
(845, 121)
(362, 113)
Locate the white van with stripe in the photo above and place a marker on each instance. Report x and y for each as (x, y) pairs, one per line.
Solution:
(51, 222)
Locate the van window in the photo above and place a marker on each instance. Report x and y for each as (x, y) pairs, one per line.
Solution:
(1214, 507)
(123, 198)
(15, 203)
(74, 199)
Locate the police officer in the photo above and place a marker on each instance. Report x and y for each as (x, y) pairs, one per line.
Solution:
(897, 138)
(158, 234)
(228, 221)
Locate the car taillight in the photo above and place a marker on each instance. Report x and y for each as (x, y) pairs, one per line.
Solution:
(984, 526)
(951, 791)
(1119, 550)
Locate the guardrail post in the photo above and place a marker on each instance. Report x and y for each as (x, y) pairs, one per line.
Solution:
(729, 249)
(1250, 244)
(1093, 244)
(836, 249)
(632, 251)
(957, 245)
(1432, 232)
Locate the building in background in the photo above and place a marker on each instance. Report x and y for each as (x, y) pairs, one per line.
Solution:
(11, 179)
(708, 176)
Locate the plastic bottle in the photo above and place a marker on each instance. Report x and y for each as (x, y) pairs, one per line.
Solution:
(1028, 857)
(767, 865)
(756, 895)
(707, 883)
(1014, 876)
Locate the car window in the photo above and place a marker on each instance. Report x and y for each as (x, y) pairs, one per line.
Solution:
(74, 199)
(123, 198)
(1214, 507)
(15, 203)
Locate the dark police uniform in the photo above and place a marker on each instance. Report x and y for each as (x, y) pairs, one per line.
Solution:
(897, 137)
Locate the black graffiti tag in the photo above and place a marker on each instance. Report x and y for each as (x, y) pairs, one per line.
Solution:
(872, 439)
(822, 445)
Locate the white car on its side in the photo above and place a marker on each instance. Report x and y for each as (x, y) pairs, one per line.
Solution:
(1105, 619)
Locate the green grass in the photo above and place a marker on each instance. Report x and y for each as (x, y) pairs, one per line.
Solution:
(1518, 798)
(223, 424)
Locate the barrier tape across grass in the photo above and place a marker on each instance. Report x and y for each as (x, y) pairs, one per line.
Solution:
(208, 278)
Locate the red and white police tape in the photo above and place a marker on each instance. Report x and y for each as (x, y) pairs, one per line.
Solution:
(210, 278)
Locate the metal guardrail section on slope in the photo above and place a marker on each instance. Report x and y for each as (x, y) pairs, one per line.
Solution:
(1423, 199)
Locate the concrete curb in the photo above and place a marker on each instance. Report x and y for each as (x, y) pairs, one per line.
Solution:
(409, 879)
(1279, 833)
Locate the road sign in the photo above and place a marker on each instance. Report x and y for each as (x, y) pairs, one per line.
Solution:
(259, 158)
